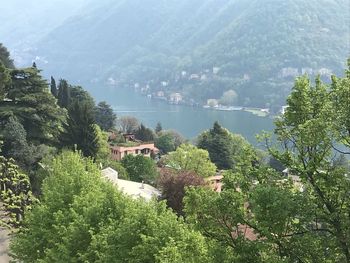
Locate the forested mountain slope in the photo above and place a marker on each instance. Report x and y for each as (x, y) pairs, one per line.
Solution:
(258, 46)
(24, 23)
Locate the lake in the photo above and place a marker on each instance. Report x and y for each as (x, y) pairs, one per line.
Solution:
(189, 121)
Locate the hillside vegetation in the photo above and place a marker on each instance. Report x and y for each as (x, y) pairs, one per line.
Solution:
(258, 47)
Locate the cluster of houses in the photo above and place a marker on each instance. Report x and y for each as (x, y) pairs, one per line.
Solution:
(164, 92)
(136, 189)
(147, 192)
(294, 72)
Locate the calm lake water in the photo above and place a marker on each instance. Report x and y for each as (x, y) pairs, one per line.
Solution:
(189, 121)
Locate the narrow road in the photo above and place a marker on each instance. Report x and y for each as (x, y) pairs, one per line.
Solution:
(4, 245)
(4, 236)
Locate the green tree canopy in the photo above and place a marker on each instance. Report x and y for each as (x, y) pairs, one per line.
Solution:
(140, 168)
(82, 218)
(80, 130)
(222, 145)
(311, 130)
(158, 127)
(63, 94)
(144, 134)
(27, 97)
(77, 93)
(4, 80)
(53, 87)
(15, 192)
(5, 57)
(262, 216)
(165, 142)
(168, 141)
(189, 158)
(17, 147)
(103, 153)
(105, 116)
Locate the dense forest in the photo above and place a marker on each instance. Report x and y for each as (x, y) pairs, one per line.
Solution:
(256, 48)
(289, 203)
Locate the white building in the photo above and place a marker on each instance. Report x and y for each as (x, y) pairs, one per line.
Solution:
(289, 72)
(133, 189)
(216, 70)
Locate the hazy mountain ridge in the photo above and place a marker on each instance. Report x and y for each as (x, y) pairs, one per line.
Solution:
(258, 45)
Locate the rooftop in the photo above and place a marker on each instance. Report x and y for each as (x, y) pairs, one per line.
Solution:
(133, 189)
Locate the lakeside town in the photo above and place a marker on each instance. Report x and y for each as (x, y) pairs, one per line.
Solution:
(169, 92)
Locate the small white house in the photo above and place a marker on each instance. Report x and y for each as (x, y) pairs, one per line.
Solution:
(133, 189)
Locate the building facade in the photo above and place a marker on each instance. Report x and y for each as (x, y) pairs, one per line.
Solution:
(118, 152)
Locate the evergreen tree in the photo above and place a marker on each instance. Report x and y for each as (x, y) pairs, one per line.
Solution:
(222, 145)
(105, 117)
(53, 87)
(34, 65)
(77, 93)
(5, 57)
(16, 146)
(15, 142)
(5, 80)
(63, 93)
(80, 131)
(158, 128)
(144, 134)
(29, 100)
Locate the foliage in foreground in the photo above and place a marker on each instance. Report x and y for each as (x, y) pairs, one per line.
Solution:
(15, 191)
(222, 145)
(173, 185)
(189, 158)
(261, 216)
(140, 168)
(82, 218)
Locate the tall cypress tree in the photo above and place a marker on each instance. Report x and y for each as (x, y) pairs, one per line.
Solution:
(158, 127)
(5, 79)
(63, 93)
(53, 87)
